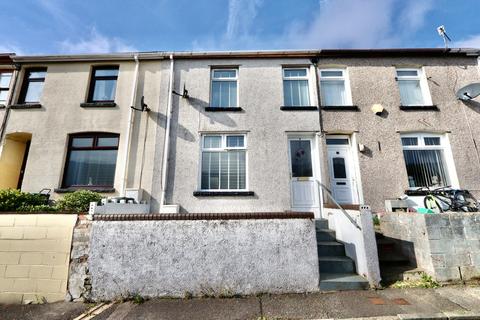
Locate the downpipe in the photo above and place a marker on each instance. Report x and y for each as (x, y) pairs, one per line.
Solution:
(166, 146)
(128, 139)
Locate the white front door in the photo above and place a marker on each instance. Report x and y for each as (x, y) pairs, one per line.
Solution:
(304, 191)
(341, 170)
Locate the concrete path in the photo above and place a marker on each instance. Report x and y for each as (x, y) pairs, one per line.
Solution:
(439, 303)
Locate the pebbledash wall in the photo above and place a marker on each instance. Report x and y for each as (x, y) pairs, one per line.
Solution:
(202, 257)
(34, 256)
(446, 245)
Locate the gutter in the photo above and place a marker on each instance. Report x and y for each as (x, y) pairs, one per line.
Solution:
(331, 53)
(129, 127)
(166, 146)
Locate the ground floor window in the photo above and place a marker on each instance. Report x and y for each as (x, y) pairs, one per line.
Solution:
(425, 160)
(223, 162)
(91, 160)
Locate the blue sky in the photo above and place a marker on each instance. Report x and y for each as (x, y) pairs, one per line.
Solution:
(86, 26)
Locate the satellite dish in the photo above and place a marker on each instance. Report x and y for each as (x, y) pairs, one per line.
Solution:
(469, 92)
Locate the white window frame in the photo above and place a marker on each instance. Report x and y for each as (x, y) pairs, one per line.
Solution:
(444, 146)
(223, 148)
(306, 77)
(212, 79)
(427, 98)
(346, 81)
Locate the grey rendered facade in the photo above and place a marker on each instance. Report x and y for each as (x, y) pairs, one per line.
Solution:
(378, 166)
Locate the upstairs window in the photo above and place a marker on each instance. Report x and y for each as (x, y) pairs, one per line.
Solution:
(334, 88)
(5, 78)
(413, 88)
(91, 160)
(103, 84)
(295, 87)
(32, 86)
(424, 156)
(223, 162)
(224, 88)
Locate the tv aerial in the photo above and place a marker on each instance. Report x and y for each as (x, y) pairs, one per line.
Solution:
(443, 33)
(468, 92)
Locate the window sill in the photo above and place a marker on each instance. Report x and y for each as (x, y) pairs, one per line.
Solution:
(95, 189)
(223, 193)
(419, 108)
(340, 108)
(98, 105)
(220, 109)
(298, 108)
(26, 106)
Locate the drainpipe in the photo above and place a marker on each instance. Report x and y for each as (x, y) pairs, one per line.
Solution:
(3, 128)
(319, 136)
(129, 126)
(166, 146)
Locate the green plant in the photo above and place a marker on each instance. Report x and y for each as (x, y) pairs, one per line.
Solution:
(425, 281)
(376, 220)
(16, 200)
(78, 201)
(138, 299)
(39, 207)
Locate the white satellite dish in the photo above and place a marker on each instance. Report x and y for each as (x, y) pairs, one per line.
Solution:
(469, 92)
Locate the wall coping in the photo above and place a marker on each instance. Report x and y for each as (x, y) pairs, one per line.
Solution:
(204, 216)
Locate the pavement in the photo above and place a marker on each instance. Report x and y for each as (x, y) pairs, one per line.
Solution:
(452, 302)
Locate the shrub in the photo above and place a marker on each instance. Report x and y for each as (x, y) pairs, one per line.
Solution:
(16, 200)
(78, 201)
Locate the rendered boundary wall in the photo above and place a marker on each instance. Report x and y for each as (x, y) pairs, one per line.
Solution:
(202, 257)
(34, 256)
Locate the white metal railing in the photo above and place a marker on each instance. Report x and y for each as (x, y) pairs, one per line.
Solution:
(330, 195)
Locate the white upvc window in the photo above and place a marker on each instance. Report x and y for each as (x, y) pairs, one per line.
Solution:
(5, 78)
(335, 87)
(413, 87)
(223, 162)
(296, 91)
(428, 160)
(224, 87)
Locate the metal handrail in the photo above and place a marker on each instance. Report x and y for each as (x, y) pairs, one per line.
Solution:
(330, 195)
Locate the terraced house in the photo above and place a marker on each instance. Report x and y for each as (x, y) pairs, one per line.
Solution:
(241, 131)
(269, 134)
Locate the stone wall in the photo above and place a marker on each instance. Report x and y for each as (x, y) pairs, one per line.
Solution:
(447, 245)
(216, 257)
(79, 283)
(34, 256)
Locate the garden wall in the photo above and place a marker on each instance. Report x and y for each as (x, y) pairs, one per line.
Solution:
(34, 256)
(176, 258)
(446, 245)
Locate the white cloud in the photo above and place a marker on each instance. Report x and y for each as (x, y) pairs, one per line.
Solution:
(95, 43)
(238, 34)
(335, 24)
(360, 24)
(470, 42)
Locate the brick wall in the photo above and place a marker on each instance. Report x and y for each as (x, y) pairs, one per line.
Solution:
(34, 256)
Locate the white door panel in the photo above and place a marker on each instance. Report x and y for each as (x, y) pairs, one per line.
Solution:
(304, 193)
(341, 173)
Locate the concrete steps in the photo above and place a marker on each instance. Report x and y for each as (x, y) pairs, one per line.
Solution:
(337, 271)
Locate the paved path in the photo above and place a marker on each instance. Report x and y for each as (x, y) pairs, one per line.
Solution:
(339, 305)
(346, 304)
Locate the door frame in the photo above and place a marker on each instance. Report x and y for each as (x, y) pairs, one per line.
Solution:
(354, 167)
(316, 171)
